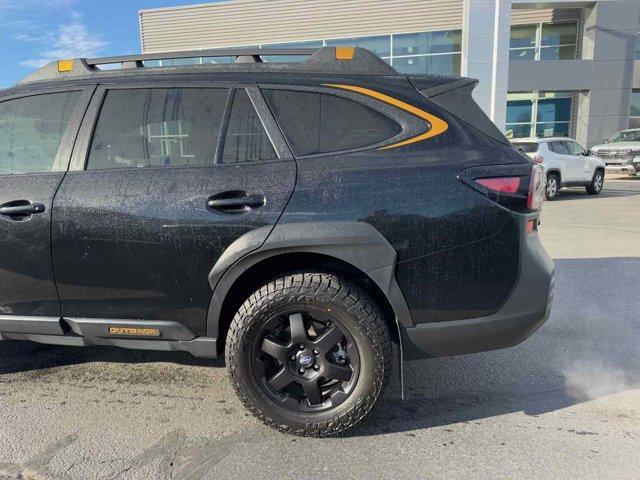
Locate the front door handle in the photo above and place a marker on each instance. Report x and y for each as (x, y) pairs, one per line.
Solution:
(21, 208)
(235, 202)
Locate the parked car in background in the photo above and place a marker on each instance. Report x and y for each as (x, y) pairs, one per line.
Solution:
(567, 164)
(621, 153)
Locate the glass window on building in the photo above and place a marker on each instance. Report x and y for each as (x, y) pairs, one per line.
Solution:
(522, 44)
(543, 41)
(634, 109)
(538, 114)
(428, 52)
(436, 53)
(290, 58)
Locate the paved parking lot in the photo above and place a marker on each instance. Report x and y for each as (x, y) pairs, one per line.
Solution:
(565, 404)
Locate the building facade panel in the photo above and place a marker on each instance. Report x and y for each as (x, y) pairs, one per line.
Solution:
(249, 22)
(569, 62)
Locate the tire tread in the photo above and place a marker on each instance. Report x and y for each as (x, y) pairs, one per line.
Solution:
(298, 287)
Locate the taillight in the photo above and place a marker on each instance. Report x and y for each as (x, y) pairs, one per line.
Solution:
(518, 187)
(500, 184)
(537, 159)
(537, 185)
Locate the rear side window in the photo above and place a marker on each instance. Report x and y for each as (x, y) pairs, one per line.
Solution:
(165, 127)
(246, 139)
(31, 129)
(317, 123)
(528, 147)
(559, 147)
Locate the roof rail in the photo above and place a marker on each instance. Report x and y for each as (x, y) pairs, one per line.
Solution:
(354, 60)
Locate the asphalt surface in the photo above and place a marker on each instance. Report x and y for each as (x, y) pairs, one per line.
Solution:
(564, 404)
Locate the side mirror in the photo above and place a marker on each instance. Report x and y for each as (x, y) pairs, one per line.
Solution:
(606, 140)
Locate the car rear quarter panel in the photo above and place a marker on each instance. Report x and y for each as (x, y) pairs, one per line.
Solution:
(457, 252)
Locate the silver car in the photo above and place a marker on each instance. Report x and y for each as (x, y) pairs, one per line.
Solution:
(621, 153)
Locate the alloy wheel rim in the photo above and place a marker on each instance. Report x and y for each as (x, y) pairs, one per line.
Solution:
(551, 187)
(305, 360)
(598, 182)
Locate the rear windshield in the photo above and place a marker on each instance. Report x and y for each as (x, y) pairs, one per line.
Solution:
(529, 147)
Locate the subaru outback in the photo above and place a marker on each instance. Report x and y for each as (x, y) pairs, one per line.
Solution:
(299, 218)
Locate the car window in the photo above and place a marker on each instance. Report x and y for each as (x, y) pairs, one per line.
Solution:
(166, 127)
(317, 123)
(526, 147)
(575, 149)
(626, 136)
(559, 147)
(31, 129)
(246, 139)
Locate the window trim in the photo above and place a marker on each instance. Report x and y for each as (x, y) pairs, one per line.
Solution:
(269, 123)
(409, 124)
(68, 140)
(281, 149)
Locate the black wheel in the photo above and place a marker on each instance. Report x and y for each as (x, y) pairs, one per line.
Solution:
(595, 187)
(553, 186)
(309, 354)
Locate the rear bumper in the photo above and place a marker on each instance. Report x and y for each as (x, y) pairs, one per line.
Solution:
(526, 309)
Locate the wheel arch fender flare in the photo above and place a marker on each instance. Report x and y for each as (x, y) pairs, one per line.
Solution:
(557, 172)
(600, 168)
(356, 243)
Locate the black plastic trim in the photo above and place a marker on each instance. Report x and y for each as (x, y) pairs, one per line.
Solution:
(356, 243)
(23, 324)
(526, 309)
(94, 331)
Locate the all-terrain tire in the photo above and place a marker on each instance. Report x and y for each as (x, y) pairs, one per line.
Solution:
(354, 309)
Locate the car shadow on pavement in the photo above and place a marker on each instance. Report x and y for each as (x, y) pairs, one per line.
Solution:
(575, 193)
(18, 356)
(587, 350)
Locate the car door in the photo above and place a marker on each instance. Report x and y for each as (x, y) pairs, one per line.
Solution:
(164, 179)
(37, 129)
(564, 159)
(580, 160)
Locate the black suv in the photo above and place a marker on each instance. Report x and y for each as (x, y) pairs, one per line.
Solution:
(297, 217)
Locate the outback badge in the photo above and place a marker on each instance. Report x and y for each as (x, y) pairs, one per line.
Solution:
(135, 331)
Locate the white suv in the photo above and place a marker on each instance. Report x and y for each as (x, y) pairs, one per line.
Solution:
(566, 162)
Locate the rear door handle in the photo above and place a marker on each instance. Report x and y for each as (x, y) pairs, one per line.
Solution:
(26, 209)
(236, 204)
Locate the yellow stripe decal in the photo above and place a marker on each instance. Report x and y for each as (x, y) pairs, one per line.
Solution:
(438, 125)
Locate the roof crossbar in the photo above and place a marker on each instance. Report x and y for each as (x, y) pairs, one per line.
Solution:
(330, 60)
(256, 53)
